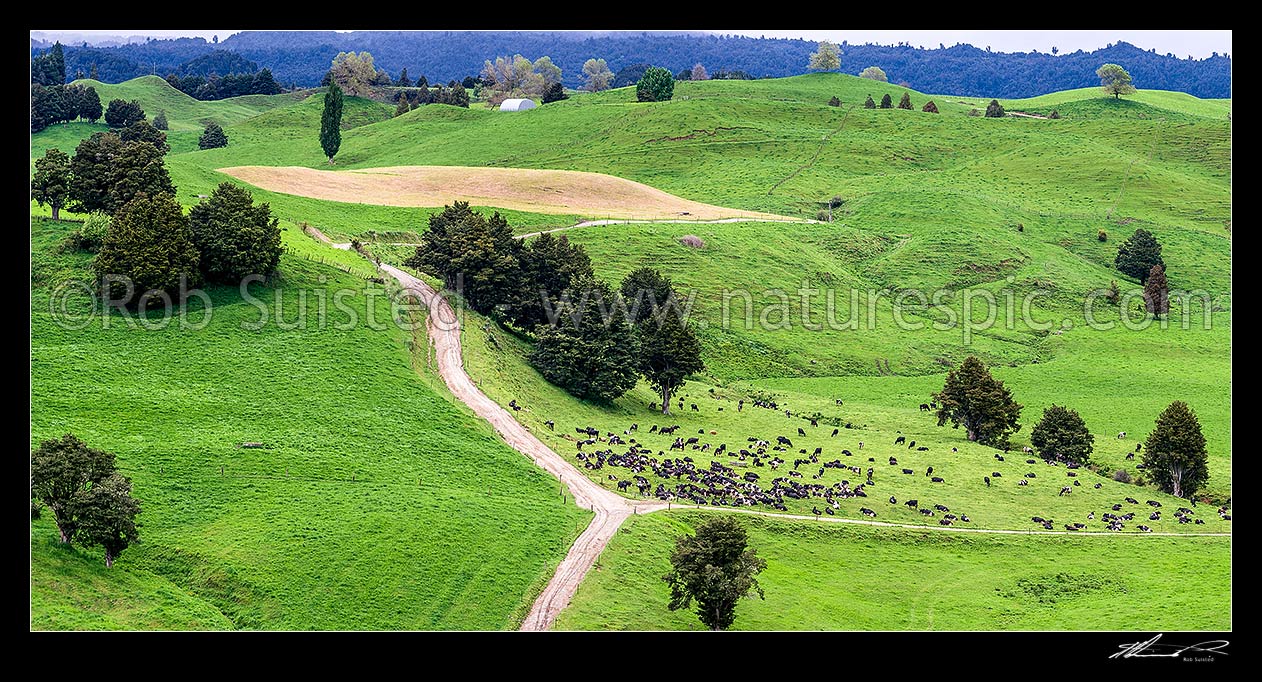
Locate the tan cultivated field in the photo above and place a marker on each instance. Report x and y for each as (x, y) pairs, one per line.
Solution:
(524, 189)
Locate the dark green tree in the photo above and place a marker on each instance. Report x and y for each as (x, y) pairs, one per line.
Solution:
(886, 101)
(555, 93)
(143, 131)
(90, 105)
(458, 96)
(869, 104)
(715, 568)
(1137, 254)
(60, 469)
(213, 137)
(834, 102)
(403, 107)
(160, 121)
(93, 74)
(404, 81)
(331, 122)
(1062, 436)
(138, 168)
(590, 351)
(234, 236)
(107, 173)
(549, 265)
(645, 290)
(1156, 293)
(994, 109)
(106, 514)
(50, 186)
(905, 102)
(150, 244)
(669, 350)
(930, 107)
(264, 83)
(56, 65)
(1174, 453)
(972, 398)
(474, 255)
(656, 85)
(122, 113)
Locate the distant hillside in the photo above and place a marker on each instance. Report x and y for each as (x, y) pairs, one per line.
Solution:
(302, 57)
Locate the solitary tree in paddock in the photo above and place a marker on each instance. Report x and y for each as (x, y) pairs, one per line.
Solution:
(875, 73)
(107, 516)
(716, 568)
(826, 57)
(1156, 294)
(331, 122)
(1174, 453)
(1137, 254)
(51, 184)
(60, 470)
(1115, 80)
(1062, 435)
(972, 398)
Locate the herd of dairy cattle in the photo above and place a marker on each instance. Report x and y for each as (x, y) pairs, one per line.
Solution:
(714, 484)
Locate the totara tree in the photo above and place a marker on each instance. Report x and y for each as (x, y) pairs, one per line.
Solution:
(550, 265)
(555, 93)
(716, 568)
(475, 255)
(149, 243)
(994, 109)
(905, 102)
(160, 121)
(887, 102)
(1174, 453)
(213, 137)
(459, 96)
(106, 515)
(234, 236)
(834, 102)
(869, 104)
(1156, 293)
(1062, 436)
(264, 83)
(143, 131)
(972, 398)
(645, 290)
(698, 73)
(106, 173)
(402, 107)
(1137, 255)
(1114, 80)
(590, 348)
(826, 57)
(122, 113)
(656, 85)
(874, 73)
(596, 75)
(90, 105)
(669, 349)
(50, 185)
(60, 470)
(403, 80)
(930, 107)
(331, 122)
(354, 73)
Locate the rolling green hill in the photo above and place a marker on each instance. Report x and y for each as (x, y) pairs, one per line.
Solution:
(185, 112)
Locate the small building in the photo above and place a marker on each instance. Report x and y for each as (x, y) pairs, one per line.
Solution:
(517, 104)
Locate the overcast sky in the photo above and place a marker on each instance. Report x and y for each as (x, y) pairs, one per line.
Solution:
(1181, 43)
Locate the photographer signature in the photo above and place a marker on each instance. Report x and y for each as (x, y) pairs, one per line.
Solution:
(1153, 649)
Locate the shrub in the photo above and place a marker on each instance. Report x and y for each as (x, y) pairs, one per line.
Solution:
(1054, 114)
(1114, 294)
(930, 107)
(1020, 227)
(823, 215)
(234, 237)
(656, 85)
(905, 102)
(869, 104)
(150, 243)
(834, 102)
(1122, 476)
(91, 236)
(974, 112)
(213, 137)
(887, 102)
(1102, 236)
(692, 241)
(994, 110)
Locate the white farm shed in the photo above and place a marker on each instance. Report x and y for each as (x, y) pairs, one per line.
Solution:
(517, 104)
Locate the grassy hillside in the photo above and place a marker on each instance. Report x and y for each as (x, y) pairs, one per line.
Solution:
(377, 503)
(832, 577)
(1179, 102)
(185, 112)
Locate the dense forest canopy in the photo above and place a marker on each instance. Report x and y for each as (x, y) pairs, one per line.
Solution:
(303, 57)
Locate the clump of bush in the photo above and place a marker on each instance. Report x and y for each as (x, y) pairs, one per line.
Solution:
(930, 107)
(692, 241)
(974, 112)
(887, 102)
(1054, 114)
(869, 104)
(1020, 227)
(834, 102)
(994, 109)
(91, 236)
(823, 215)
(1102, 236)
(1122, 476)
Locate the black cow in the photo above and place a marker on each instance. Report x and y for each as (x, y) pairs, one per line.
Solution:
(550, 424)
(996, 474)
(924, 407)
(907, 471)
(987, 479)
(936, 479)
(911, 445)
(900, 440)
(801, 432)
(867, 512)
(892, 500)
(912, 503)
(835, 432)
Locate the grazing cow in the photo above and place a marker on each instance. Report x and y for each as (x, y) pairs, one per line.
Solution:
(550, 424)
(872, 460)
(892, 500)
(1154, 503)
(923, 449)
(846, 452)
(1117, 507)
(1132, 500)
(996, 474)
(893, 461)
(1145, 529)
(945, 522)
(1070, 474)
(907, 471)
(860, 445)
(828, 510)
(1200, 522)
(924, 407)
(900, 440)
(1131, 456)
(987, 479)
(1155, 516)
(936, 479)
(801, 432)
(1031, 475)
(941, 507)
(1027, 450)
(912, 503)
(1121, 435)
(1065, 491)
(929, 471)
(1138, 446)
(955, 449)
(1091, 516)
(1029, 461)
(1037, 519)
(816, 511)
(1078, 483)
(834, 433)
(1098, 486)
(694, 407)
(926, 511)
(867, 512)
(965, 519)
(1023, 482)
(912, 445)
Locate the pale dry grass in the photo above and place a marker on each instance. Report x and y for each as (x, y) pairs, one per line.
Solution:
(524, 189)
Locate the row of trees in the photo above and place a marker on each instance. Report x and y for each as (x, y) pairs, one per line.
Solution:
(90, 500)
(63, 104)
(215, 87)
(588, 341)
(1175, 455)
